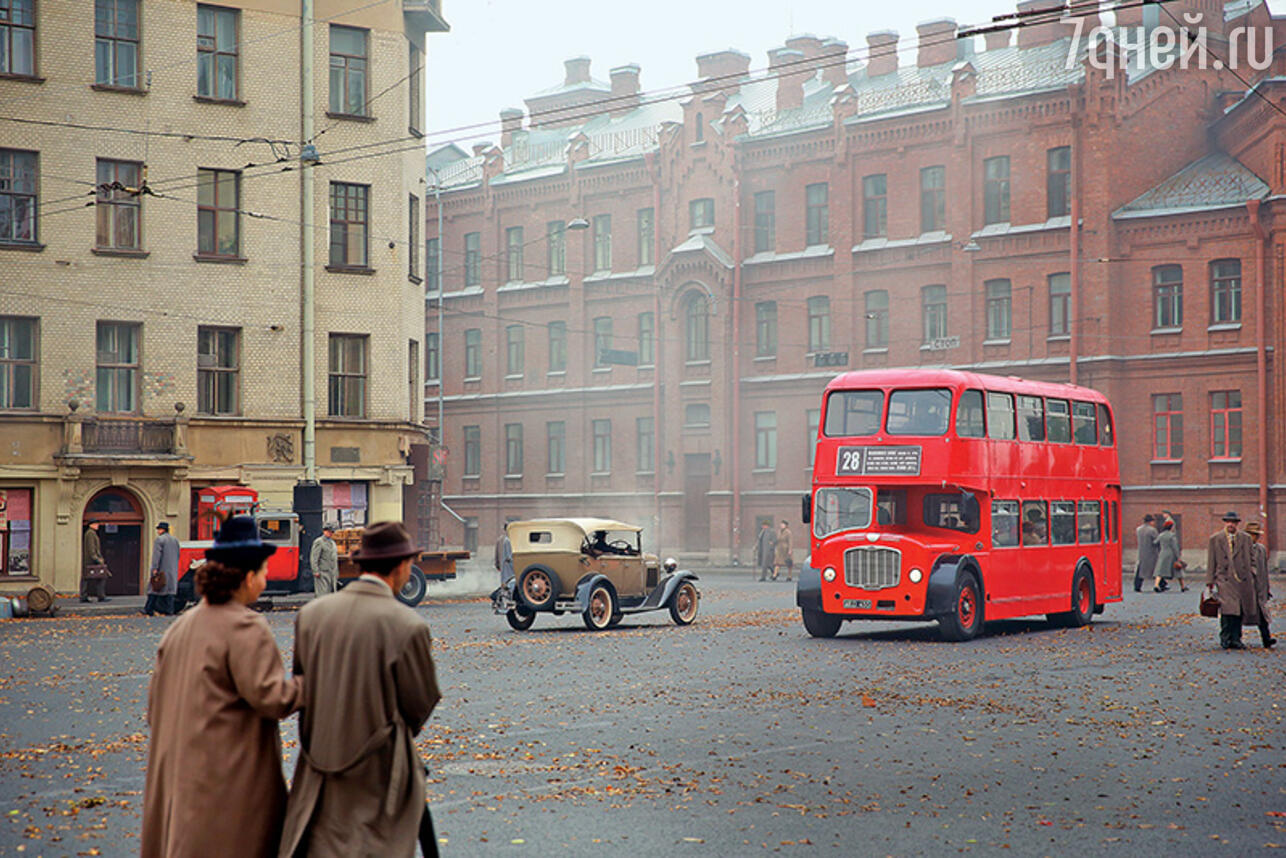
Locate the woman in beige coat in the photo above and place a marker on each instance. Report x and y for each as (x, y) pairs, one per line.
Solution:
(214, 779)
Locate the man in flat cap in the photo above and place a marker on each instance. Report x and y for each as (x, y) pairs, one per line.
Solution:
(1230, 562)
(369, 686)
(1146, 533)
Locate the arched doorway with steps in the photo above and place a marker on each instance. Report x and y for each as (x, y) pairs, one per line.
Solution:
(120, 533)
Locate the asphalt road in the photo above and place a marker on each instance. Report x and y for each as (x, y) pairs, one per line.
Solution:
(738, 735)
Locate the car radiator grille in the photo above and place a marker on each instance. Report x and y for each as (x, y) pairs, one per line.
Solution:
(872, 568)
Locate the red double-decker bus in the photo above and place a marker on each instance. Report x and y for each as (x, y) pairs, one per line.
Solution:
(960, 497)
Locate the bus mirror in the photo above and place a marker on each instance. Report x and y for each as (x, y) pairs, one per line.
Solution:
(806, 509)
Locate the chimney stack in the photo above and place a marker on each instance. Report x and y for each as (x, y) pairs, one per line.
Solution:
(881, 53)
(577, 70)
(722, 69)
(787, 65)
(937, 42)
(1049, 29)
(806, 43)
(833, 59)
(996, 39)
(510, 121)
(625, 89)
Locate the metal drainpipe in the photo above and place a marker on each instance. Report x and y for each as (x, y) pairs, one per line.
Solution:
(1261, 371)
(734, 457)
(1074, 247)
(658, 463)
(437, 195)
(307, 238)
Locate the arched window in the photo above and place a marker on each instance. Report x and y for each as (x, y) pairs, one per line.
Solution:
(696, 324)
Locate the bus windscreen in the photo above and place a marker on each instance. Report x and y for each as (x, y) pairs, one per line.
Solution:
(839, 509)
(853, 412)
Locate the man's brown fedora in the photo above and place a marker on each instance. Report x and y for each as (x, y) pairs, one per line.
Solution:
(386, 540)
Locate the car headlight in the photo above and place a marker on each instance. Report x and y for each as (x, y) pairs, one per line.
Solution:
(828, 574)
(671, 564)
(916, 575)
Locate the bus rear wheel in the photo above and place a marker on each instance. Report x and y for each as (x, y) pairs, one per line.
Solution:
(821, 625)
(1082, 612)
(964, 622)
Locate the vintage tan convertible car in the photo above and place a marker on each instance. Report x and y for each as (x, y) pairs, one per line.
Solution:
(591, 566)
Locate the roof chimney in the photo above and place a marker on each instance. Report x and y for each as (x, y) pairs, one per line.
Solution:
(1041, 24)
(788, 66)
(996, 39)
(480, 148)
(937, 42)
(577, 70)
(510, 121)
(722, 69)
(833, 60)
(806, 43)
(625, 89)
(881, 53)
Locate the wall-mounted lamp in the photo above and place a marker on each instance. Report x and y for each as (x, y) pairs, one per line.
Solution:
(669, 461)
(718, 461)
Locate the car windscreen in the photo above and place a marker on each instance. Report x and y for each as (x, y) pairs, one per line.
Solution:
(841, 508)
(919, 412)
(853, 412)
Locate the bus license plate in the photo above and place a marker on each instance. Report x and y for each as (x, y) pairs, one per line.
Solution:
(858, 604)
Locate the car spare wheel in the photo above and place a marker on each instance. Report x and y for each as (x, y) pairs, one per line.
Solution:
(537, 588)
(683, 603)
(601, 608)
(520, 618)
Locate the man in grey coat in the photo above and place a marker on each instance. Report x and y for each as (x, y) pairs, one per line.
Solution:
(165, 559)
(1230, 575)
(324, 559)
(1147, 536)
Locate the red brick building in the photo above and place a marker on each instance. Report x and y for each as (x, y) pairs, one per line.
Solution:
(743, 244)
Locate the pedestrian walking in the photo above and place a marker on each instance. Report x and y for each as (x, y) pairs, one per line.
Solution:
(93, 568)
(369, 686)
(1262, 594)
(324, 559)
(1146, 534)
(165, 572)
(1169, 562)
(214, 782)
(504, 556)
(782, 558)
(764, 550)
(1230, 559)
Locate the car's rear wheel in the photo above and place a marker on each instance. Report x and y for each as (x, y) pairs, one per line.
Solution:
(684, 603)
(520, 618)
(601, 608)
(615, 621)
(412, 592)
(537, 588)
(821, 625)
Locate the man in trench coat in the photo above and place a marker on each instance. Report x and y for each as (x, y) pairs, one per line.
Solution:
(1147, 536)
(370, 685)
(324, 560)
(165, 557)
(1230, 560)
(765, 550)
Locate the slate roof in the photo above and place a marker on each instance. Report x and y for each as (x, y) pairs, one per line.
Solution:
(1211, 182)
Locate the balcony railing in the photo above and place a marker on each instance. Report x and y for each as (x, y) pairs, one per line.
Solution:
(128, 435)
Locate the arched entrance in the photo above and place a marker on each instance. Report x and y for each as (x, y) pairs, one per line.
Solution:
(121, 536)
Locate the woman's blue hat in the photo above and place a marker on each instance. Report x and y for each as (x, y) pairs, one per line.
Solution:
(237, 543)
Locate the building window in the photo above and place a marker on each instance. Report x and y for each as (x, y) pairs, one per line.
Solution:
(1225, 290)
(472, 258)
(696, 415)
(699, 127)
(996, 189)
(1167, 426)
(432, 261)
(933, 303)
(17, 194)
(877, 319)
(17, 362)
(875, 202)
(645, 459)
(472, 451)
(473, 353)
(602, 340)
(812, 421)
(116, 382)
(817, 214)
(432, 357)
(696, 327)
(1060, 304)
(765, 440)
(18, 37)
(819, 324)
(999, 309)
(1167, 296)
(765, 222)
(15, 532)
(557, 346)
(515, 349)
(513, 449)
(701, 213)
(216, 52)
(413, 238)
(1058, 181)
(933, 199)
(602, 434)
(556, 248)
(415, 68)
(218, 365)
(513, 250)
(1225, 424)
(766, 329)
(348, 224)
(218, 213)
(347, 375)
(556, 446)
(602, 242)
(647, 236)
(116, 43)
(118, 208)
(647, 339)
(414, 387)
(347, 70)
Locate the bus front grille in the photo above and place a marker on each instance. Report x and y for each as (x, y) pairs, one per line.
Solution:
(872, 567)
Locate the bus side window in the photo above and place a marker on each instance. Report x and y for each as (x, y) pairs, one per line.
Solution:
(1105, 438)
(1031, 418)
(1087, 522)
(1062, 517)
(1059, 423)
(1004, 523)
(1035, 523)
(1000, 416)
(969, 420)
(1083, 428)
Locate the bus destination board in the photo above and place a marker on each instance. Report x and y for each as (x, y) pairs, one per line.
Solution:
(864, 461)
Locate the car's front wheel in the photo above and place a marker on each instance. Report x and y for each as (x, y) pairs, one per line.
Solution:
(684, 604)
(520, 619)
(601, 608)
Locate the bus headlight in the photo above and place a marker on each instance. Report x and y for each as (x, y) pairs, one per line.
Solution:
(916, 575)
(828, 574)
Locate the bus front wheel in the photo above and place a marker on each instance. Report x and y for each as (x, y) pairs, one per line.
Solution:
(821, 625)
(964, 621)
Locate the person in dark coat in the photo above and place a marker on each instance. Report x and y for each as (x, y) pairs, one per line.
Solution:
(1148, 545)
(765, 551)
(1262, 594)
(165, 559)
(504, 558)
(91, 554)
(1230, 560)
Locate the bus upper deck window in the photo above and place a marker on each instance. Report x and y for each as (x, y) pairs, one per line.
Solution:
(1031, 418)
(1059, 422)
(969, 419)
(1104, 426)
(919, 412)
(1083, 428)
(853, 412)
(1000, 416)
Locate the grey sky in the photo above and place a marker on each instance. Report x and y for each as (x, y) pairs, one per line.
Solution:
(500, 51)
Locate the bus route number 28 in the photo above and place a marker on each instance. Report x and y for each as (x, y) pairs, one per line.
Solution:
(849, 460)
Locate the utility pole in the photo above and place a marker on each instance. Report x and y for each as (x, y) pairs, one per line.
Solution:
(308, 300)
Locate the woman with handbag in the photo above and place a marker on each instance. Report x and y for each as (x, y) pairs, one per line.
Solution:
(1169, 563)
(214, 780)
(1262, 594)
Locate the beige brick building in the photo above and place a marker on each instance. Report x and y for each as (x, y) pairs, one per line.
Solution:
(154, 270)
